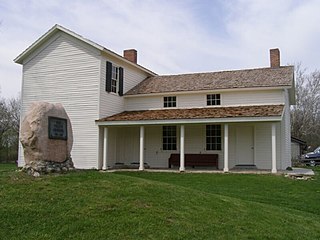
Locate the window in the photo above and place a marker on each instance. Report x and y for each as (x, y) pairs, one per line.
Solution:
(213, 99)
(213, 137)
(169, 138)
(114, 78)
(169, 102)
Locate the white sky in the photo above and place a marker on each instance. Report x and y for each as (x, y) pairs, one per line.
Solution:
(176, 36)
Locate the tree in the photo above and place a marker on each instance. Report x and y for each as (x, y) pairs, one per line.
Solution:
(305, 115)
(9, 128)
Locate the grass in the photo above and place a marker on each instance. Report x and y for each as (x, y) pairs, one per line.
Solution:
(141, 205)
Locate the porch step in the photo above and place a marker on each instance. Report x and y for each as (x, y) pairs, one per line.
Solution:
(245, 166)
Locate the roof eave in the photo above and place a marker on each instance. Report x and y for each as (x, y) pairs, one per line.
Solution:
(207, 91)
(190, 121)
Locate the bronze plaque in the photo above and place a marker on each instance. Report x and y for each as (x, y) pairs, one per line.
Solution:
(58, 128)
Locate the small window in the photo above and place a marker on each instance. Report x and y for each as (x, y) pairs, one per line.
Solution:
(169, 138)
(169, 102)
(213, 137)
(213, 99)
(114, 78)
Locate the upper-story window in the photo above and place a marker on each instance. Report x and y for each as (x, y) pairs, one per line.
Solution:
(170, 101)
(213, 99)
(114, 79)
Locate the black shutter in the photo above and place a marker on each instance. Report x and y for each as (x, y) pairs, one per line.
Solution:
(120, 81)
(108, 76)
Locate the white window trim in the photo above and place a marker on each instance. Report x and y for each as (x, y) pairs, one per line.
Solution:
(212, 100)
(117, 80)
(176, 101)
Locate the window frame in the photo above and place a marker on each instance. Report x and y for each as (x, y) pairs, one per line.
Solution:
(214, 99)
(169, 101)
(114, 78)
(169, 138)
(214, 138)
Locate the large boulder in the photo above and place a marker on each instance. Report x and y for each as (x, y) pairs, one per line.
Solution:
(46, 135)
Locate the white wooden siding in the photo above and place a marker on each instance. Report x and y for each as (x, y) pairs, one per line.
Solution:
(66, 71)
(286, 135)
(190, 100)
(252, 97)
(127, 145)
(262, 145)
(143, 103)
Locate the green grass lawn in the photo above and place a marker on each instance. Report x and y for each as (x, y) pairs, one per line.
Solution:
(141, 205)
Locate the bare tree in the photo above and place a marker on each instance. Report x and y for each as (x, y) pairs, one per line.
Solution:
(305, 115)
(9, 128)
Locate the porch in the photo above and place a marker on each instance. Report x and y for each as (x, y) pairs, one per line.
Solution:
(241, 147)
(239, 136)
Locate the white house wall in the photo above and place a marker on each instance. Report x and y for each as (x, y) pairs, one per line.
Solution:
(190, 100)
(66, 71)
(286, 134)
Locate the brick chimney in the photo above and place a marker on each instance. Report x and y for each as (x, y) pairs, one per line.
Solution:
(131, 55)
(274, 58)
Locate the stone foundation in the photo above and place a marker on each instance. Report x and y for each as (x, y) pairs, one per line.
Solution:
(37, 168)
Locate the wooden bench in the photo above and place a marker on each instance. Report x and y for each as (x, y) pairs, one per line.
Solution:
(194, 160)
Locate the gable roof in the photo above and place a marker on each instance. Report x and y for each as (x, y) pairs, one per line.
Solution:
(56, 28)
(198, 113)
(250, 78)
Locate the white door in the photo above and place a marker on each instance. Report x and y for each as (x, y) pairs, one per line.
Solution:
(244, 145)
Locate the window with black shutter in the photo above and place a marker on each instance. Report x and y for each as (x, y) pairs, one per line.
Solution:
(114, 79)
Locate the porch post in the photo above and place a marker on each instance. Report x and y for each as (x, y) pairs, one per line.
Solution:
(105, 148)
(226, 148)
(141, 166)
(273, 148)
(182, 168)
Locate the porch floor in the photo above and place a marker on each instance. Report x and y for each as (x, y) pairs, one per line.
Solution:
(202, 170)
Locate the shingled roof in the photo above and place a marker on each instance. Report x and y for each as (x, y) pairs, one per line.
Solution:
(250, 78)
(198, 113)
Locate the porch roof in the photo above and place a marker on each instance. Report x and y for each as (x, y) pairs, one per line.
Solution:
(196, 115)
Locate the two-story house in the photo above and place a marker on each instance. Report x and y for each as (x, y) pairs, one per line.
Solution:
(123, 113)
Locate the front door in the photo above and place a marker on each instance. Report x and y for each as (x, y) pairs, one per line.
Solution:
(244, 145)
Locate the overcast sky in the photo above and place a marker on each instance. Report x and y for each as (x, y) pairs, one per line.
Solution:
(171, 36)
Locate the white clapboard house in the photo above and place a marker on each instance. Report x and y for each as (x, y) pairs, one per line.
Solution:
(123, 114)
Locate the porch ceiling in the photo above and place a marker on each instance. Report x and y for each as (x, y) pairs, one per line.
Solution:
(197, 115)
